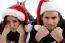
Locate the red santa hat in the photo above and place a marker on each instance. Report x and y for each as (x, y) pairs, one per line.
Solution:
(19, 12)
(38, 10)
(49, 6)
(43, 6)
(38, 26)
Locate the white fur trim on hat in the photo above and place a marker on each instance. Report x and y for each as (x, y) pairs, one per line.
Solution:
(15, 13)
(37, 27)
(49, 6)
(28, 28)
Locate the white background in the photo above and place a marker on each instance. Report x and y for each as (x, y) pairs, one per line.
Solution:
(31, 6)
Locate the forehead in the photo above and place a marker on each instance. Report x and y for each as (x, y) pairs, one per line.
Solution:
(50, 13)
(11, 18)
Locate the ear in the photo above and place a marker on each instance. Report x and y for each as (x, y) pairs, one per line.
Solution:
(59, 20)
(59, 16)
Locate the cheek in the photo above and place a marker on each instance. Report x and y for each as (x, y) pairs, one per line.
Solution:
(44, 21)
(16, 25)
(56, 21)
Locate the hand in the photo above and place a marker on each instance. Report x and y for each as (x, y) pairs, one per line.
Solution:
(20, 29)
(42, 32)
(57, 34)
(0, 38)
(4, 34)
(6, 30)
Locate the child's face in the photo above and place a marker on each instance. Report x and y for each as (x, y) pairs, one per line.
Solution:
(51, 19)
(13, 22)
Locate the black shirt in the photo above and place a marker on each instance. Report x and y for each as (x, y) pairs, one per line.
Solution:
(13, 37)
(46, 39)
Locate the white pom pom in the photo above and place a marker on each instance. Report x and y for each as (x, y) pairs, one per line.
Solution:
(37, 27)
(28, 28)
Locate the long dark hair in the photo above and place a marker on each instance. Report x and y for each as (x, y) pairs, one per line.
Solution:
(4, 22)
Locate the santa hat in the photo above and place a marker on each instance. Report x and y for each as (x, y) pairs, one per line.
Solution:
(49, 6)
(17, 11)
(38, 26)
(38, 10)
(44, 6)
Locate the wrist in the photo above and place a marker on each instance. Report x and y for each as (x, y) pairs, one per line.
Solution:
(36, 41)
(22, 34)
(4, 34)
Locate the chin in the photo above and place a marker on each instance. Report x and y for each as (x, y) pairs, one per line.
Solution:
(13, 30)
(50, 28)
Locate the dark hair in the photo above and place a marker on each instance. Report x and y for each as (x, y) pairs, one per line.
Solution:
(4, 22)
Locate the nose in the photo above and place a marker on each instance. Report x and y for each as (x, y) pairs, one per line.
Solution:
(11, 25)
(50, 22)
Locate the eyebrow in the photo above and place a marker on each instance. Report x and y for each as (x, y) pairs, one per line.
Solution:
(51, 17)
(54, 17)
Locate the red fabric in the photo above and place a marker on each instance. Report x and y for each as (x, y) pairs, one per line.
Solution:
(21, 9)
(38, 10)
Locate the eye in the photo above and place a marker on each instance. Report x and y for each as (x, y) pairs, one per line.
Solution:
(46, 17)
(8, 22)
(14, 21)
(54, 17)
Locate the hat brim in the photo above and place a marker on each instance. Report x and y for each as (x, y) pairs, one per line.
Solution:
(15, 13)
